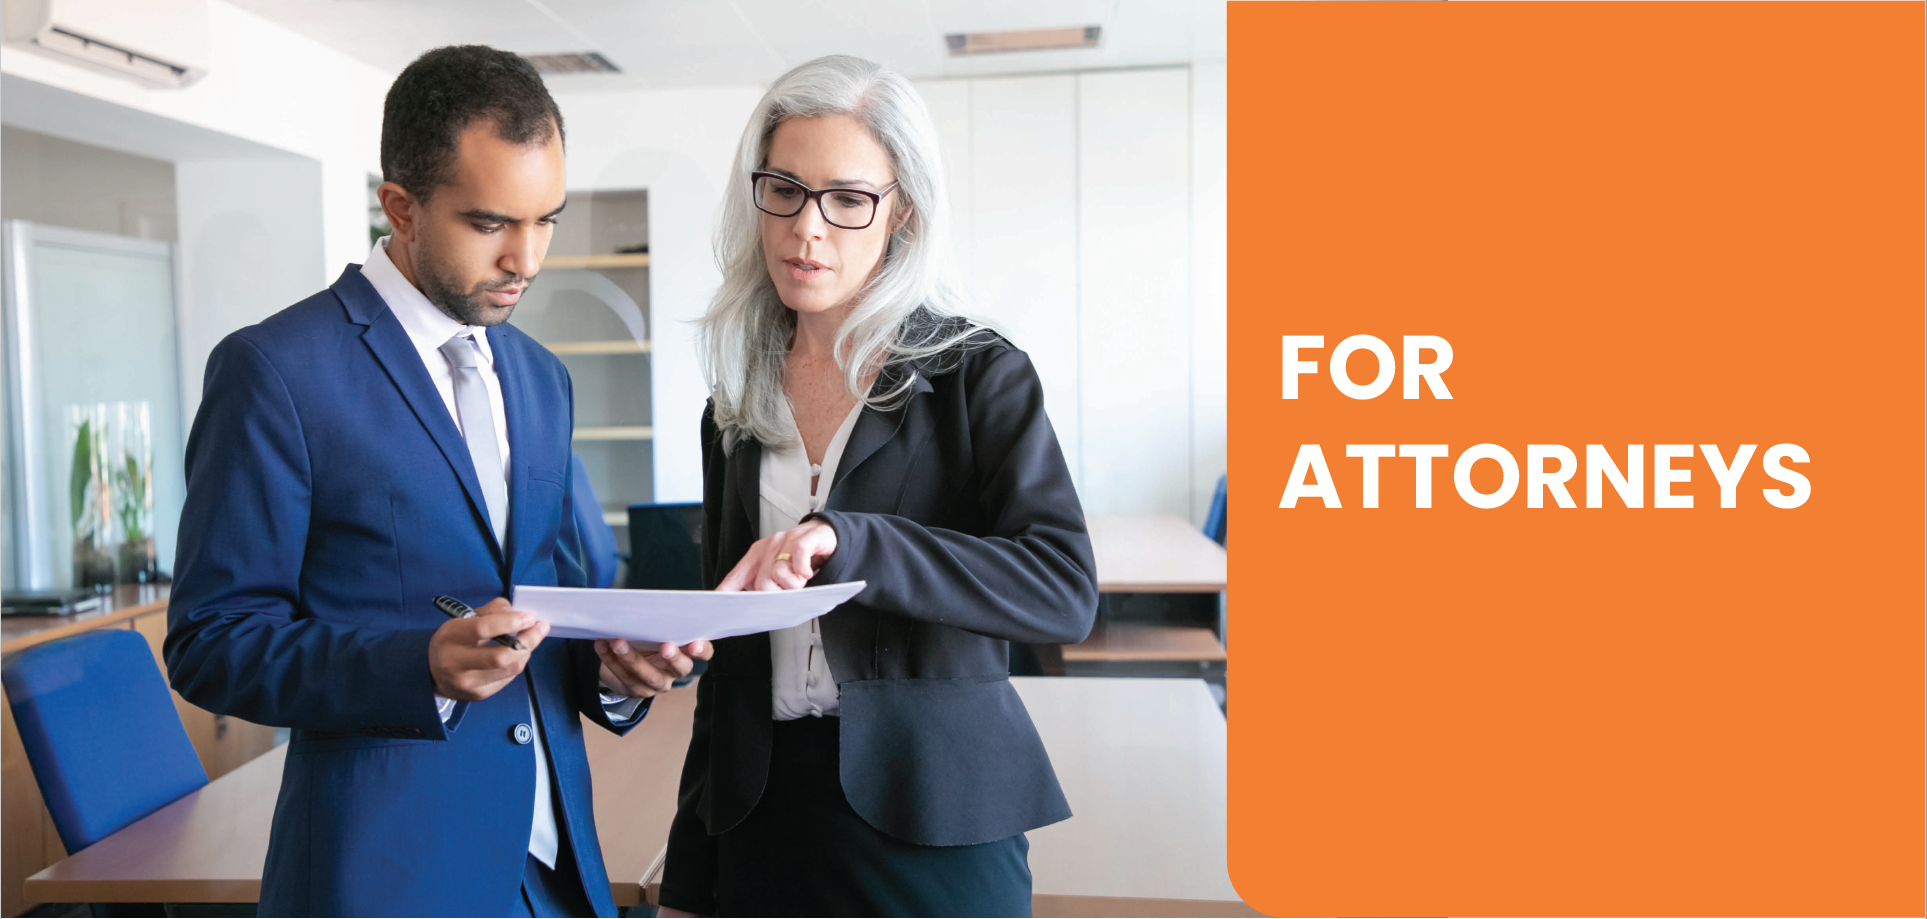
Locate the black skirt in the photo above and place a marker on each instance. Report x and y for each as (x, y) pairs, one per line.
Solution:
(803, 851)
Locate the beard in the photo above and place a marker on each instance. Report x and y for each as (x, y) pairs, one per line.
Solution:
(469, 306)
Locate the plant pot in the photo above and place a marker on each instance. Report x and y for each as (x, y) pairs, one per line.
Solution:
(93, 566)
(138, 564)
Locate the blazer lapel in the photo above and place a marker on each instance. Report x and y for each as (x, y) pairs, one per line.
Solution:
(873, 430)
(509, 368)
(397, 355)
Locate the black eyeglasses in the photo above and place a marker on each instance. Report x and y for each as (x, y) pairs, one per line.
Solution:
(848, 208)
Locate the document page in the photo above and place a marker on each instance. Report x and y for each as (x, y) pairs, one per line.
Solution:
(679, 616)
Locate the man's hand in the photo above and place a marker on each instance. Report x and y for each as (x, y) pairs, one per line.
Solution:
(465, 662)
(640, 671)
(764, 566)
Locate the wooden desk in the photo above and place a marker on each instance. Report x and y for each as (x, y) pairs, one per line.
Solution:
(210, 846)
(1154, 553)
(18, 633)
(222, 744)
(1149, 554)
(1136, 643)
(1143, 764)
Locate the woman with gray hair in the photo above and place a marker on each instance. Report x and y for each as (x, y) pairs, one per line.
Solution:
(874, 761)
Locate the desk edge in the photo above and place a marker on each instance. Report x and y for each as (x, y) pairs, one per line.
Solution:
(86, 625)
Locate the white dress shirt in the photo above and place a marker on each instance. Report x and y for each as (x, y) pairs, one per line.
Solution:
(801, 684)
(428, 329)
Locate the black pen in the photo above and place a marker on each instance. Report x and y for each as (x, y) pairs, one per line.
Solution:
(456, 609)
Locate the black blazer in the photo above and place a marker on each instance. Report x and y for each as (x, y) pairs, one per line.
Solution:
(959, 511)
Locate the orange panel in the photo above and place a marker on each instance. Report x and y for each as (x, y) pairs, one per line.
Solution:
(1635, 223)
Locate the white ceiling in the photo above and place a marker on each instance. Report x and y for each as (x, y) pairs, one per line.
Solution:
(662, 44)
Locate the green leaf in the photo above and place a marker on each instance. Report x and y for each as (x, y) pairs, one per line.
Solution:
(130, 490)
(83, 474)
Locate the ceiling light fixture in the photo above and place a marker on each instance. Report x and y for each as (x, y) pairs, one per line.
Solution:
(1022, 40)
(573, 62)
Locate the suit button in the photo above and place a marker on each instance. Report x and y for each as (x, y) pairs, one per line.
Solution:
(521, 733)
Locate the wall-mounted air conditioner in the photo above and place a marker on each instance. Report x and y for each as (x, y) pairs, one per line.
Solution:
(157, 42)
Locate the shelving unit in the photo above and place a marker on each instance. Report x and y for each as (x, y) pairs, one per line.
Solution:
(615, 432)
(590, 307)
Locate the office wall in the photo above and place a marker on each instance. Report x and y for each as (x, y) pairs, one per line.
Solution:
(1134, 264)
(251, 230)
(269, 91)
(1017, 226)
(1089, 226)
(60, 183)
(270, 157)
(1209, 246)
(1091, 221)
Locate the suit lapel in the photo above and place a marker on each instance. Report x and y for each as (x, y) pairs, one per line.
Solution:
(874, 429)
(510, 369)
(397, 355)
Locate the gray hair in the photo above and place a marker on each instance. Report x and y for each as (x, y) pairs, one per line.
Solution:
(904, 315)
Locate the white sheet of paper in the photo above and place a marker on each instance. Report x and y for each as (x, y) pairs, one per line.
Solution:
(680, 616)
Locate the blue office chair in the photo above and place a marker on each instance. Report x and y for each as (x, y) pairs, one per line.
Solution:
(100, 731)
(665, 552)
(598, 539)
(1214, 519)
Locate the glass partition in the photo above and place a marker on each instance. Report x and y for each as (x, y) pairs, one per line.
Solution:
(90, 322)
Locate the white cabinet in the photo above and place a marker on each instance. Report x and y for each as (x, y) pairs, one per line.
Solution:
(1076, 200)
(1022, 202)
(1134, 276)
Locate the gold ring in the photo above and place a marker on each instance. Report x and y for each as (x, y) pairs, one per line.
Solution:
(782, 556)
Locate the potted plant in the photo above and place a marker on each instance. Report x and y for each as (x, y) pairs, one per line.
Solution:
(88, 503)
(133, 505)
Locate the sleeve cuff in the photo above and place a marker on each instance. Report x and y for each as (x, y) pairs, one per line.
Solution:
(620, 708)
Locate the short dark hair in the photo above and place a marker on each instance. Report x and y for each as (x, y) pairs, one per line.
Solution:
(443, 92)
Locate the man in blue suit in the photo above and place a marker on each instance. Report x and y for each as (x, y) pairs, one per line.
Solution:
(384, 442)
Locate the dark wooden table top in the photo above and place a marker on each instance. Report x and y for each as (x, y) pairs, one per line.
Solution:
(18, 633)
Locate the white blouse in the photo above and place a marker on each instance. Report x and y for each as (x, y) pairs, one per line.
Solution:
(801, 683)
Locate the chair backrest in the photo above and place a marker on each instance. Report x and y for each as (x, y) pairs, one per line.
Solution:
(598, 540)
(100, 731)
(664, 546)
(1214, 519)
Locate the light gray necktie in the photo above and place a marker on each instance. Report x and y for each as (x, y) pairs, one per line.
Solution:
(478, 428)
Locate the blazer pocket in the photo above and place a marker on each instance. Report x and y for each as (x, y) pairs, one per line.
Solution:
(945, 762)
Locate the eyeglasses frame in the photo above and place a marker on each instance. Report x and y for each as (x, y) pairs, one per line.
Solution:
(816, 194)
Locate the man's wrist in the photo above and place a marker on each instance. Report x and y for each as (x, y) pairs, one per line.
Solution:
(619, 707)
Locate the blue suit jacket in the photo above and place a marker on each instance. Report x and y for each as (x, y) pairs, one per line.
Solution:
(330, 498)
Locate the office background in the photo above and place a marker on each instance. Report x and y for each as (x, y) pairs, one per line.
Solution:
(1088, 184)
(1088, 187)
